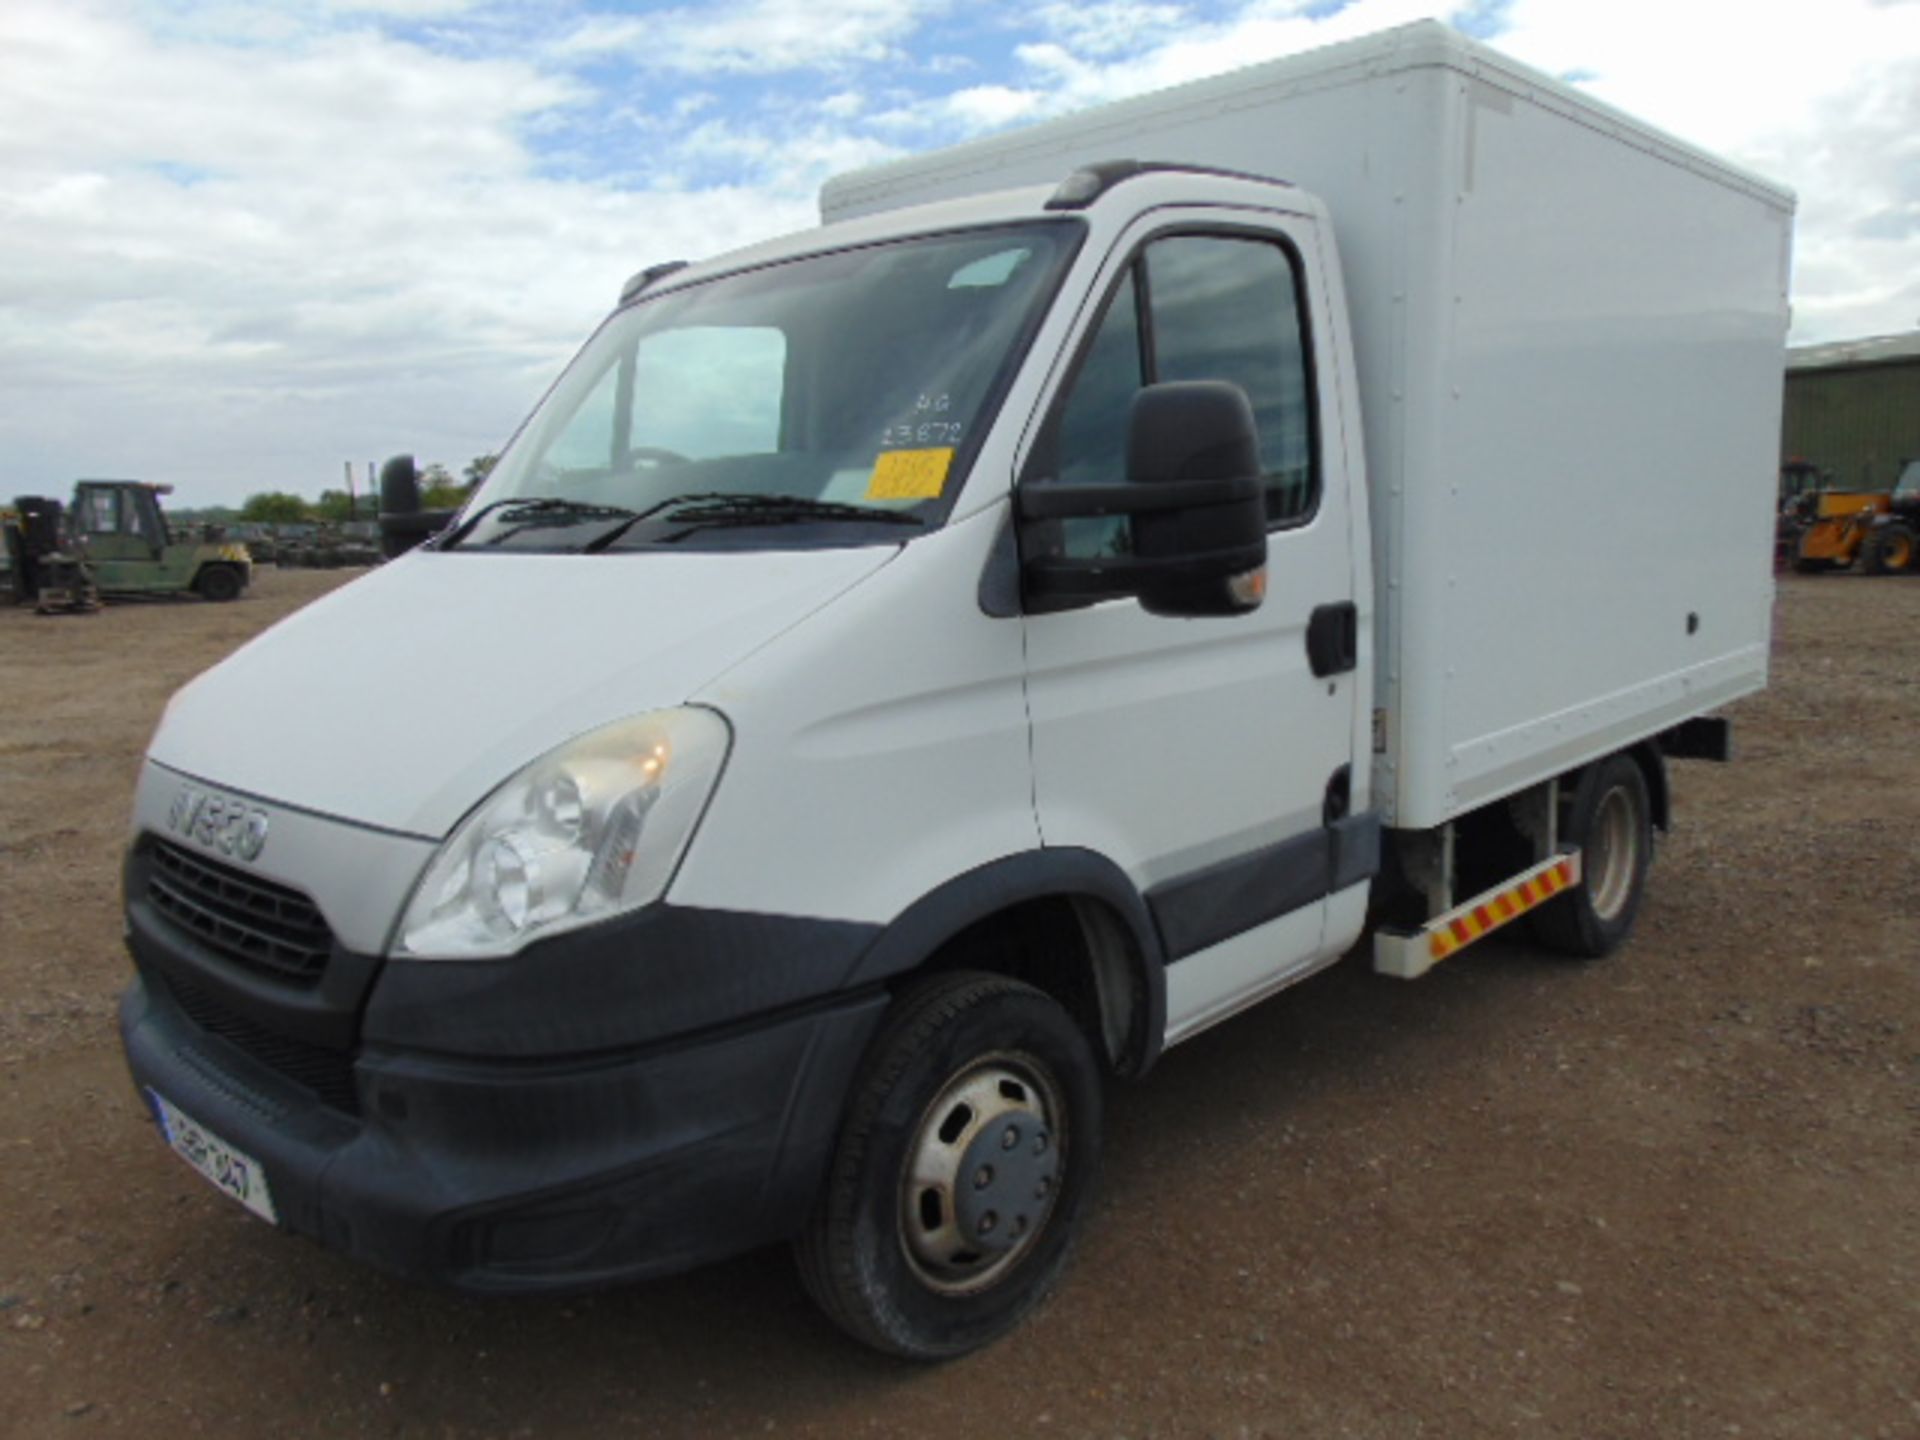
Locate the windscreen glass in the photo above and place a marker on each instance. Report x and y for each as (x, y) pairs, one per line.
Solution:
(835, 399)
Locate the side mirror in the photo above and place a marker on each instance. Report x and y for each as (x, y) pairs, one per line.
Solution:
(1195, 493)
(399, 487)
(403, 523)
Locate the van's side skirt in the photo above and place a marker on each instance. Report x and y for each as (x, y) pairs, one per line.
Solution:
(1200, 910)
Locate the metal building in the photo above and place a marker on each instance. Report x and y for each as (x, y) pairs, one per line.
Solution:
(1853, 409)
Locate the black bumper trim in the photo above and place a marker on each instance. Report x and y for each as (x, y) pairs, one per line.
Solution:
(513, 1178)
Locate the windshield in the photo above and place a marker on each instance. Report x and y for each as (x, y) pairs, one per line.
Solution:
(836, 399)
(1908, 485)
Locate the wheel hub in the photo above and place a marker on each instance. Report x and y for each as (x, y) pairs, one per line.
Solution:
(982, 1174)
(1613, 854)
(1006, 1178)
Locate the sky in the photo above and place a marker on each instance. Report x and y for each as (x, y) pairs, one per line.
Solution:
(246, 242)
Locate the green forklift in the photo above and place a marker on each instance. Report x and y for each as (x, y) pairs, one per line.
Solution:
(117, 525)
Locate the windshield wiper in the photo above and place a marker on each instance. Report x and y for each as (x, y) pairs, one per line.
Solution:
(545, 505)
(725, 507)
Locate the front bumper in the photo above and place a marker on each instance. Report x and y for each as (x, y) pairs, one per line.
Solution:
(515, 1174)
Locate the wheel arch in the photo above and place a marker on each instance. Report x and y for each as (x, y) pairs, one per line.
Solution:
(1653, 768)
(1015, 916)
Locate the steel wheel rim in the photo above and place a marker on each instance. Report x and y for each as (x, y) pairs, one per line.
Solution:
(1613, 853)
(997, 1093)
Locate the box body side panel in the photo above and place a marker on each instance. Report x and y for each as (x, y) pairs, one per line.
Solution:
(1591, 469)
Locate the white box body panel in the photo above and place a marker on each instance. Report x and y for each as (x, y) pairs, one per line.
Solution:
(1568, 332)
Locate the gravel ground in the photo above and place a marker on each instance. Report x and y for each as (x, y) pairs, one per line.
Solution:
(1672, 1194)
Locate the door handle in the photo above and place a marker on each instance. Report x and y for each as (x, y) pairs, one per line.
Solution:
(1333, 638)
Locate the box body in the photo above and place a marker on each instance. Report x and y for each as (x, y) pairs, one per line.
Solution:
(1568, 334)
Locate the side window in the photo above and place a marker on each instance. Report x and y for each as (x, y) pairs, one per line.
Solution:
(102, 512)
(1092, 431)
(1218, 308)
(586, 445)
(1225, 309)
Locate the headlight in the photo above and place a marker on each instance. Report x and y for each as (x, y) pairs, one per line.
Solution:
(592, 829)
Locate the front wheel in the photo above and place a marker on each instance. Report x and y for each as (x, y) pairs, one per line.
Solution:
(966, 1156)
(219, 582)
(1890, 549)
(1611, 820)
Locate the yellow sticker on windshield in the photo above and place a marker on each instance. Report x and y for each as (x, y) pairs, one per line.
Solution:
(910, 474)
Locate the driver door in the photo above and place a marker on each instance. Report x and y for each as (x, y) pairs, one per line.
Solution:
(1204, 756)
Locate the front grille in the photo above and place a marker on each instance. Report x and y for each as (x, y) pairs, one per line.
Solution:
(255, 923)
(326, 1074)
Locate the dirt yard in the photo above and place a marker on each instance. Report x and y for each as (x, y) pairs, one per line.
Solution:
(1673, 1194)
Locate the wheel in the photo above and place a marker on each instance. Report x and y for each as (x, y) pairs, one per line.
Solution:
(1612, 822)
(1889, 549)
(218, 582)
(967, 1153)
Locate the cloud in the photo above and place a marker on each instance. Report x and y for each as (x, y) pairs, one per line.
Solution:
(1078, 63)
(757, 36)
(985, 107)
(248, 239)
(1854, 156)
(1826, 100)
(401, 9)
(1111, 27)
(227, 268)
(959, 115)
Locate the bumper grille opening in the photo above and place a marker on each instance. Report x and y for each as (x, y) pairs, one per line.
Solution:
(326, 1074)
(268, 928)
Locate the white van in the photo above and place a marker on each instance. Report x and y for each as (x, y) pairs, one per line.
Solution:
(909, 673)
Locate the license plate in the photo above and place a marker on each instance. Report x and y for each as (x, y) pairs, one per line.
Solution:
(233, 1171)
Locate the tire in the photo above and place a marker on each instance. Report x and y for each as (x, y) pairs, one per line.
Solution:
(218, 582)
(1890, 549)
(1612, 822)
(977, 1114)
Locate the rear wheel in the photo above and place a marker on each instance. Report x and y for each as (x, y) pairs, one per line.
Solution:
(1889, 549)
(1611, 820)
(218, 582)
(968, 1151)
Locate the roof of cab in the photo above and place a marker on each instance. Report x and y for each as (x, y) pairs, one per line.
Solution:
(1149, 184)
(1026, 203)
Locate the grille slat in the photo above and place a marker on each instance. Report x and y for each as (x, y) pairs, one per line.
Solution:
(265, 927)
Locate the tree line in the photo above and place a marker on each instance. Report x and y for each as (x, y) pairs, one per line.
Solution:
(439, 490)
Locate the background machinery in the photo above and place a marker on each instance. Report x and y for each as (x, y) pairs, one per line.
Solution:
(1833, 529)
(114, 540)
